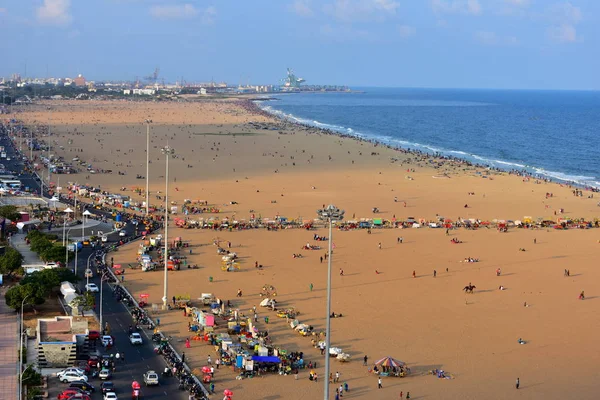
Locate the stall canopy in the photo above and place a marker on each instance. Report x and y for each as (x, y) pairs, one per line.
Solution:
(390, 362)
(266, 359)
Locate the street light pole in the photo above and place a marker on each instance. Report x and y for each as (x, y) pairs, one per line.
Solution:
(21, 350)
(167, 151)
(148, 122)
(331, 213)
(88, 267)
(101, 284)
(76, 247)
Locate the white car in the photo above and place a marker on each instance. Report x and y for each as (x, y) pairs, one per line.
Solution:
(110, 396)
(122, 233)
(104, 239)
(92, 287)
(104, 374)
(71, 377)
(71, 369)
(135, 338)
(151, 378)
(107, 340)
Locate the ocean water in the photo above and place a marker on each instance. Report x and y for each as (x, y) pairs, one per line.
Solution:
(551, 133)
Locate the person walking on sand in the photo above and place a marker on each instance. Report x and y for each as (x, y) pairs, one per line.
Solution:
(401, 394)
(518, 383)
(365, 359)
(434, 273)
(311, 287)
(414, 274)
(321, 258)
(407, 395)
(379, 385)
(341, 272)
(379, 245)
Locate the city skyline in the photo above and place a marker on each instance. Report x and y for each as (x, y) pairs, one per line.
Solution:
(504, 44)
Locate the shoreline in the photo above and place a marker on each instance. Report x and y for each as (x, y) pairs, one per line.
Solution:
(526, 171)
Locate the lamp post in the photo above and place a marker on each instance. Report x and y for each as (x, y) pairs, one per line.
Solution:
(148, 122)
(66, 211)
(87, 276)
(21, 350)
(85, 214)
(76, 247)
(331, 213)
(101, 284)
(167, 151)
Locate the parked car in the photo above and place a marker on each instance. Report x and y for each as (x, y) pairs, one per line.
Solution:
(72, 377)
(107, 386)
(93, 335)
(93, 361)
(151, 378)
(110, 396)
(105, 374)
(92, 287)
(79, 371)
(135, 338)
(85, 386)
(70, 392)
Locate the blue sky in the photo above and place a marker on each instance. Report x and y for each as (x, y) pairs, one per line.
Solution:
(518, 44)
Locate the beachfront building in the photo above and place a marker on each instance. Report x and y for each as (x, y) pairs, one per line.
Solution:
(59, 340)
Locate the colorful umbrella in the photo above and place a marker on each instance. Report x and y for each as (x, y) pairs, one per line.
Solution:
(390, 362)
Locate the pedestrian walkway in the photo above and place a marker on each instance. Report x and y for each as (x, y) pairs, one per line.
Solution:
(29, 257)
(8, 350)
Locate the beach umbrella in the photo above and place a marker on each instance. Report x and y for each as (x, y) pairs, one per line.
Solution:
(390, 362)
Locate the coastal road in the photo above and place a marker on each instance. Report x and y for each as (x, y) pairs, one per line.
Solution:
(139, 358)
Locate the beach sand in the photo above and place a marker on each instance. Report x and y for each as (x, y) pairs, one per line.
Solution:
(427, 322)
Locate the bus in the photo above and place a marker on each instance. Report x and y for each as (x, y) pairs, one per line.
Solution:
(12, 184)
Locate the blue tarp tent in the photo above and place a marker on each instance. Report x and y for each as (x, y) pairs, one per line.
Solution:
(270, 359)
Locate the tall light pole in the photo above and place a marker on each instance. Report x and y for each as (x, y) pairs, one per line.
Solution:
(148, 122)
(76, 247)
(21, 350)
(87, 276)
(66, 211)
(331, 213)
(101, 284)
(167, 151)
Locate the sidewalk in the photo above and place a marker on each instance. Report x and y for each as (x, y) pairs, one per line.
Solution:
(29, 257)
(9, 337)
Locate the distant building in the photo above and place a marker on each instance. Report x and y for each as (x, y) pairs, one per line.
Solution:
(202, 91)
(79, 81)
(144, 92)
(59, 340)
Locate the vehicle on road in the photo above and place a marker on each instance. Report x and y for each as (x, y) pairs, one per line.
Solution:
(79, 371)
(151, 378)
(93, 335)
(136, 338)
(104, 239)
(85, 386)
(92, 287)
(111, 396)
(107, 341)
(80, 396)
(70, 392)
(122, 233)
(107, 386)
(71, 376)
(105, 374)
(88, 273)
(93, 361)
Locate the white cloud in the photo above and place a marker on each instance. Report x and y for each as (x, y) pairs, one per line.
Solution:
(564, 33)
(471, 7)
(406, 31)
(492, 39)
(54, 12)
(565, 17)
(302, 8)
(518, 3)
(183, 11)
(353, 10)
(174, 11)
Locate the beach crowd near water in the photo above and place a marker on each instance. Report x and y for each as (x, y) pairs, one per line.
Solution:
(399, 291)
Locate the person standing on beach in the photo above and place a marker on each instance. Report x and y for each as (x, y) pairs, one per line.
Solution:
(321, 258)
(379, 385)
(311, 287)
(434, 273)
(365, 359)
(414, 274)
(518, 383)
(407, 395)
(379, 245)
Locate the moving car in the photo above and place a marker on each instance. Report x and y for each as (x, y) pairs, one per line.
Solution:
(151, 378)
(107, 341)
(70, 392)
(71, 376)
(79, 371)
(88, 273)
(107, 386)
(92, 287)
(110, 396)
(135, 338)
(93, 335)
(105, 374)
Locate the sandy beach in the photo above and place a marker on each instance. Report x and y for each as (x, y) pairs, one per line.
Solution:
(223, 156)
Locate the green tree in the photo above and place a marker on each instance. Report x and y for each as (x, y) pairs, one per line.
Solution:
(49, 279)
(31, 377)
(11, 261)
(10, 212)
(86, 301)
(54, 253)
(40, 244)
(31, 292)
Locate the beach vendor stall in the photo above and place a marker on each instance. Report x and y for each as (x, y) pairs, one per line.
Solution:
(388, 366)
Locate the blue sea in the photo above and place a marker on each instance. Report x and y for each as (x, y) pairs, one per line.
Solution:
(551, 133)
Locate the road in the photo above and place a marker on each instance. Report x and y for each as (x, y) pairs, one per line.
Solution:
(139, 358)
